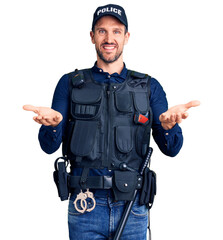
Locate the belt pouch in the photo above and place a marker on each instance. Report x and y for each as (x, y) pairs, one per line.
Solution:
(124, 185)
(60, 178)
(148, 191)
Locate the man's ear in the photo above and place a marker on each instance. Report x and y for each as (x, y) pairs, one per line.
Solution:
(127, 35)
(92, 37)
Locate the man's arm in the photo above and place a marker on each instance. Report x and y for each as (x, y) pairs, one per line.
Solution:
(53, 119)
(176, 114)
(166, 131)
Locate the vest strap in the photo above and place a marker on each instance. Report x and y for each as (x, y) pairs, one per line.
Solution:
(84, 177)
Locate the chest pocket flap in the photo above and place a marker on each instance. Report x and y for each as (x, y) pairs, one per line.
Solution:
(123, 101)
(141, 101)
(86, 101)
(124, 138)
(90, 93)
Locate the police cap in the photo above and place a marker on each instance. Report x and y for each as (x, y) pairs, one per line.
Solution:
(111, 10)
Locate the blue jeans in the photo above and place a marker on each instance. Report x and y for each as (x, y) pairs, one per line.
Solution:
(102, 222)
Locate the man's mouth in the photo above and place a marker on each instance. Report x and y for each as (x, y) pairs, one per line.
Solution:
(106, 47)
(109, 47)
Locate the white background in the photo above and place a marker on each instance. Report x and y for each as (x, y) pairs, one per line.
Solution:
(178, 42)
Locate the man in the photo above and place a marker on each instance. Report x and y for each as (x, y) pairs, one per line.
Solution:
(103, 116)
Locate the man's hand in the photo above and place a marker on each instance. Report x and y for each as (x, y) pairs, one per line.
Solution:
(45, 115)
(175, 114)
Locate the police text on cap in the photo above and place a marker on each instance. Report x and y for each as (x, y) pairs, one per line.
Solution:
(109, 9)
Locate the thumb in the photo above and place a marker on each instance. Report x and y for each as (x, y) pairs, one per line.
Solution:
(31, 108)
(194, 103)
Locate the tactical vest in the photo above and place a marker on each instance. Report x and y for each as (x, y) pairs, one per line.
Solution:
(103, 131)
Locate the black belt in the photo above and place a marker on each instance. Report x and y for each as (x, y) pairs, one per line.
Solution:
(94, 182)
(123, 183)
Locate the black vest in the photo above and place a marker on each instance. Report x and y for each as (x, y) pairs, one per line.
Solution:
(102, 131)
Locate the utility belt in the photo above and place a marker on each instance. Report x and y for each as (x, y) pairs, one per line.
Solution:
(123, 183)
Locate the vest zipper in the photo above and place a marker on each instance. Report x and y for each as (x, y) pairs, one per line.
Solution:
(108, 118)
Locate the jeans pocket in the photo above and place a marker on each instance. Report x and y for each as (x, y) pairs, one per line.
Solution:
(138, 210)
(72, 210)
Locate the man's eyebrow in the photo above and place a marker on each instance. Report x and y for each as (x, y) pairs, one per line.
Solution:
(102, 28)
(99, 28)
(119, 29)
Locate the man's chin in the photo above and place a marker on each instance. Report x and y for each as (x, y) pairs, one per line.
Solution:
(108, 58)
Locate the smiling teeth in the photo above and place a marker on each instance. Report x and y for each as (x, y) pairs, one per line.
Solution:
(109, 48)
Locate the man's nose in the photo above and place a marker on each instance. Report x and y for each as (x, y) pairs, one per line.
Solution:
(109, 38)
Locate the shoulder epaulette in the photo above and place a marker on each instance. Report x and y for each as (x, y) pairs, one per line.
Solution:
(138, 74)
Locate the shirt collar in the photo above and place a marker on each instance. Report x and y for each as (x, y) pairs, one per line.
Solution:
(122, 75)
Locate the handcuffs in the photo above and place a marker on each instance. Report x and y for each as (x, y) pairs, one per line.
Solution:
(82, 207)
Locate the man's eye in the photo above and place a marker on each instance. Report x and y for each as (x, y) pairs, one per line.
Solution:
(101, 31)
(117, 32)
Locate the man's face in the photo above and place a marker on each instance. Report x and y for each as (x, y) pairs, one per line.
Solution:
(109, 38)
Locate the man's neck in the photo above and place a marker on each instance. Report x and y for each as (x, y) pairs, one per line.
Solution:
(115, 67)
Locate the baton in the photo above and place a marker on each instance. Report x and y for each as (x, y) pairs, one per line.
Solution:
(130, 203)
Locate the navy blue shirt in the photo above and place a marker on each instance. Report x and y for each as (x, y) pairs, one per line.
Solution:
(168, 141)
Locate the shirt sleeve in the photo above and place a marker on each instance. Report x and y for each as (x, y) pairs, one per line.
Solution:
(168, 141)
(50, 137)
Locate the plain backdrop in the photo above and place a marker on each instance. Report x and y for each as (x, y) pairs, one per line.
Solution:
(177, 42)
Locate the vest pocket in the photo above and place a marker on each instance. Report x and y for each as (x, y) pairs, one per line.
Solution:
(123, 102)
(85, 139)
(140, 100)
(86, 101)
(124, 139)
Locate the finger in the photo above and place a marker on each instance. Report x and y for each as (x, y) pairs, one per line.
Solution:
(173, 117)
(194, 103)
(44, 122)
(39, 117)
(185, 115)
(49, 120)
(31, 108)
(58, 118)
(36, 120)
(163, 117)
(41, 121)
(178, 118)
